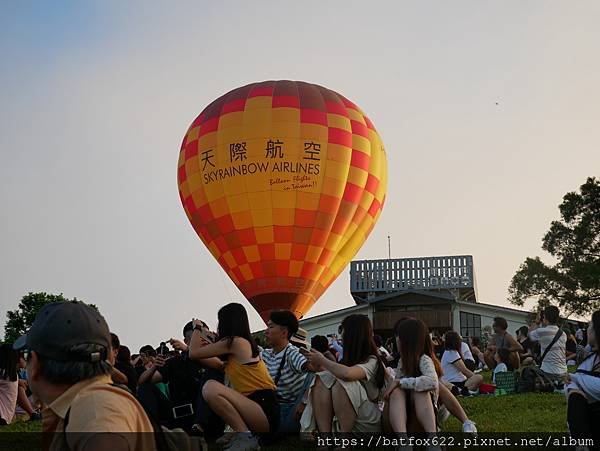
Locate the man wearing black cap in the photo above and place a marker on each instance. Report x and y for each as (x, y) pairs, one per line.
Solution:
(66, 350)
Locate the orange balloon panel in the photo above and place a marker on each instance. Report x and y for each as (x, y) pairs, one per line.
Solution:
(283, 181)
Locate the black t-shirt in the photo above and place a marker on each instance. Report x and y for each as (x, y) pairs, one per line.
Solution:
(132, 376)
(183, 376)
(527, 345)
(571, 346)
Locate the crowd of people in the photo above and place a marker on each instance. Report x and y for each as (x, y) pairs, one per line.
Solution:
(208, 383)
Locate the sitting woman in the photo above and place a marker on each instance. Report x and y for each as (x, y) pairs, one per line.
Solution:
(415, 386)
(455, 371)
(583, 390)
(9, 385)
(250, 405)
(526, 355)
(348, 390)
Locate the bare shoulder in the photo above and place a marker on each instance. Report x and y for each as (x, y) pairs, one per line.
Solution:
(241, 348)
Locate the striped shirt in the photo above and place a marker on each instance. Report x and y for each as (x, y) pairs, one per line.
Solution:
(291, 382)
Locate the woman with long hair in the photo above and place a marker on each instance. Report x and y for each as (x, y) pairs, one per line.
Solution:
(454, 368)
(9, 385)
(344, 396)
(250, 405)
(416, 382)
(448, 404)
(583, 389)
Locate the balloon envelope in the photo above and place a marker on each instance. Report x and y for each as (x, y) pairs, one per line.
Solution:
(283, 181)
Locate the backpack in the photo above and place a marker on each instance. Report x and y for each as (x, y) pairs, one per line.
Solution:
(534, 380)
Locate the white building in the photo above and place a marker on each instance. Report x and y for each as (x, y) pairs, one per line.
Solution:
(441, 291)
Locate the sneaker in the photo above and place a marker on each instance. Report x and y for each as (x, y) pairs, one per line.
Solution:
(469, 427)
(243, 441)
(465, 392)
(443, 414)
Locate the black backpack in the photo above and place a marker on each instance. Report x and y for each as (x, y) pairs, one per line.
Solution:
(534, 380)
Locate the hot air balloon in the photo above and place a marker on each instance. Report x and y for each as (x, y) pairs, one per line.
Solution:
(283, 181)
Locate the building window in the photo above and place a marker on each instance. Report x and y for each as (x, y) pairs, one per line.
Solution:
(470, 325)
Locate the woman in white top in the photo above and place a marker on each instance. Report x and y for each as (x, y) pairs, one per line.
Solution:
(344, 396)
(583, 389)
(416, 379)
(9, 383)
(454, 367)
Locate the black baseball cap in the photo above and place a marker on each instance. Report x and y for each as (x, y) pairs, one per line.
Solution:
(61, 328)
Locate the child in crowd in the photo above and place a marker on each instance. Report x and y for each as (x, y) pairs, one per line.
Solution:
(250, 405)
(415, 386)
(321, 344)
(344, 396)
(502, 358)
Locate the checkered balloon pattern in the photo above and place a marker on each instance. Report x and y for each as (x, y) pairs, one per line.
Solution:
(283, 181)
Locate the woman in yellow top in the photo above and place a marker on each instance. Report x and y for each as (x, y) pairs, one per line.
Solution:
(251, 405)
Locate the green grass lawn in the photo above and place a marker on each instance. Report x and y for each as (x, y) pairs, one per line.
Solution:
(532, 412)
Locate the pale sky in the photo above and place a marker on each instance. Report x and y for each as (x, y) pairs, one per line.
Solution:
(489, 112)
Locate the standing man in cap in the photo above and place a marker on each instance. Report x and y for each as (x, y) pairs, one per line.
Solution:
(288, 368)
(66, 350)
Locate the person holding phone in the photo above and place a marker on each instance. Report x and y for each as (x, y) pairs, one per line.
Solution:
(176, 407)
(344, 396)
(250, 406)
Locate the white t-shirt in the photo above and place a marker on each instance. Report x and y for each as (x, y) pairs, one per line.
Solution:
(8, 399)
(451, 373)
(500, 368)
(555, 361)
(466, 351)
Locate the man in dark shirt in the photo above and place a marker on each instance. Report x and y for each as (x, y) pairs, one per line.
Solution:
(183, 376)
(527, 354)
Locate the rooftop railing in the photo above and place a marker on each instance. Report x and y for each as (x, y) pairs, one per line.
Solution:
(402, 274)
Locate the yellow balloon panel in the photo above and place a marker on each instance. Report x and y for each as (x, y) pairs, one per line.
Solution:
(283, 181)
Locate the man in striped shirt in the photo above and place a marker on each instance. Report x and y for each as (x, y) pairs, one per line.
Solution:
(287, 367)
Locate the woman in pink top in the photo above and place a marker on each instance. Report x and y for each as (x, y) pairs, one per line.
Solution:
(9, 384)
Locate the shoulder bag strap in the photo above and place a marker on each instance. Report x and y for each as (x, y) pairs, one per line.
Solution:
(554, 340)
(280, 369)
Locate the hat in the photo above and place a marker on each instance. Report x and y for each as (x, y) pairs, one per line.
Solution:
(60, 328)
(300, 338)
